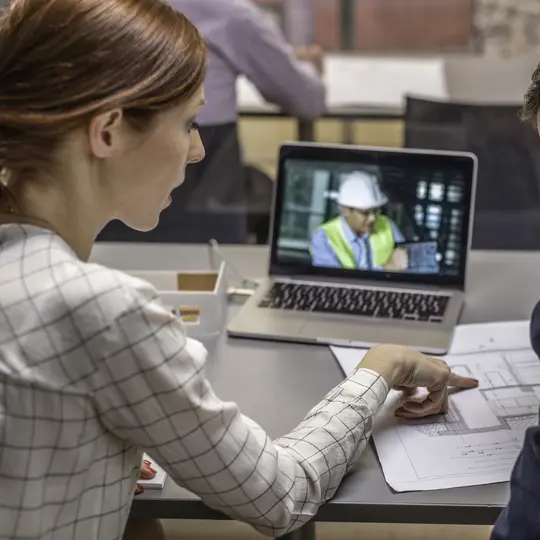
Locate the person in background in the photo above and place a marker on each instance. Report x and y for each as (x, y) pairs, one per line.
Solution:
(520, 520)
(97, 104)
(361, 238)
(241, 40)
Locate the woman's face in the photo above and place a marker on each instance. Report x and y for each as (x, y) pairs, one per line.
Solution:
(150, 168)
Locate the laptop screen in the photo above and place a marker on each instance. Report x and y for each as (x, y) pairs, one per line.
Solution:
(380, 214)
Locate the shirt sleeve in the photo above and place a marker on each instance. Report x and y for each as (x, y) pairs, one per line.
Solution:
(322, 253)
(149, 388)
(260, 52)
(520, 520)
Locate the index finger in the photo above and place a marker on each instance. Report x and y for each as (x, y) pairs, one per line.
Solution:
(461, 382)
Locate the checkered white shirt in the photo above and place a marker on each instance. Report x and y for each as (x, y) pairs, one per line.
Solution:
(93, 370)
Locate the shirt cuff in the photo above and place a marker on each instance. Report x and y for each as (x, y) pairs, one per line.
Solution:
(310, 70)
(370, 385)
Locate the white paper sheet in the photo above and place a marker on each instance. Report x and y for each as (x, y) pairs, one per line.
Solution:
(369, 82)
(383, 82)
(480, 439)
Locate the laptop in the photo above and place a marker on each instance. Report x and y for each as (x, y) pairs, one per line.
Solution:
(369, 246)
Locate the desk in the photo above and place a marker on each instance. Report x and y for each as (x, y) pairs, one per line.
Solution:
(359, 87)
(252, 373)
(452, 77)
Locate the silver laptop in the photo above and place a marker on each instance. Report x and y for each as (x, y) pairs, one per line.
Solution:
(369, 245)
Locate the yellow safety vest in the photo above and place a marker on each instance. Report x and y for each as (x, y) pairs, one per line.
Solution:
(381, 240)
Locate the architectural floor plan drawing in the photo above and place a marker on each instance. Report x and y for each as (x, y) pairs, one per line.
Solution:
(479, 439)
(509, 388)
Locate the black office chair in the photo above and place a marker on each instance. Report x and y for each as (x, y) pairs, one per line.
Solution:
(259, 193)
(212, 202)
(507, 212)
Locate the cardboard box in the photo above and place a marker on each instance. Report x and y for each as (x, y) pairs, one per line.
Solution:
(198, 298)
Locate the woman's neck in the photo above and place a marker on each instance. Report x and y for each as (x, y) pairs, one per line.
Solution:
(70, 214)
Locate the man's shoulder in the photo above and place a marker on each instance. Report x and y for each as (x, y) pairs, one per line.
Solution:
(321, 239)
(320, 232)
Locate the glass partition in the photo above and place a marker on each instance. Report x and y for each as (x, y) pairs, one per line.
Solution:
(377, 53)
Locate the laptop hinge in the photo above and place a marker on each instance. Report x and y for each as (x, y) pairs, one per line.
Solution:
(371, 284)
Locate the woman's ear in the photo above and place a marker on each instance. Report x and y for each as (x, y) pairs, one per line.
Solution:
(106, 134)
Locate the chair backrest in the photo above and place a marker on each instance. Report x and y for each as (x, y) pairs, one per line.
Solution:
(260, 190)
(509, 159)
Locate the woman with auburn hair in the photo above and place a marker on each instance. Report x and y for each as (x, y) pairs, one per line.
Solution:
(97, 107)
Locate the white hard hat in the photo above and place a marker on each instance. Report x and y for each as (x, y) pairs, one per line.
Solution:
(360, 190)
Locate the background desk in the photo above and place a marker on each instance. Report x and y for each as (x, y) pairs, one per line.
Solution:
(374, 88)
(254, 373)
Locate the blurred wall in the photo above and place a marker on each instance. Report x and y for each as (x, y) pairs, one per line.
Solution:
(508, 28)
(413, 25)
(378, 25)
(494, 27)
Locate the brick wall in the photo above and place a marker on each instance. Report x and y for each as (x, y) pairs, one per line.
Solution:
(392, 25)
(413, 25)
(327, 24)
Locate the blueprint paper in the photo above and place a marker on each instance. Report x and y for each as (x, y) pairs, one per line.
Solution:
(478, 441)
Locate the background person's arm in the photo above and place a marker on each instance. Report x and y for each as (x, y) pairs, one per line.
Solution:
(520, 520)
(149, 388)
(261, 53)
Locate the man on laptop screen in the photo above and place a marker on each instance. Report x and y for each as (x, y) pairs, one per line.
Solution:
(361, 237)
(371, 218)
(369, 245)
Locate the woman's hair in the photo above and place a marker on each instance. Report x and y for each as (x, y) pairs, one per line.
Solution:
(63, 61)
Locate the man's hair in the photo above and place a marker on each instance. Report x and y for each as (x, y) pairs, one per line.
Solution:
(531, 106)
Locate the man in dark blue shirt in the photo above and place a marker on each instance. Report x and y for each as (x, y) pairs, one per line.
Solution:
(521, 518)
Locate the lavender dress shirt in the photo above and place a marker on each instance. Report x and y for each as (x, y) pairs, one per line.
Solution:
(243, 41)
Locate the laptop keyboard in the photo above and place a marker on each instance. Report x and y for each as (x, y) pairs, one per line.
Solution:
(381, 304)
